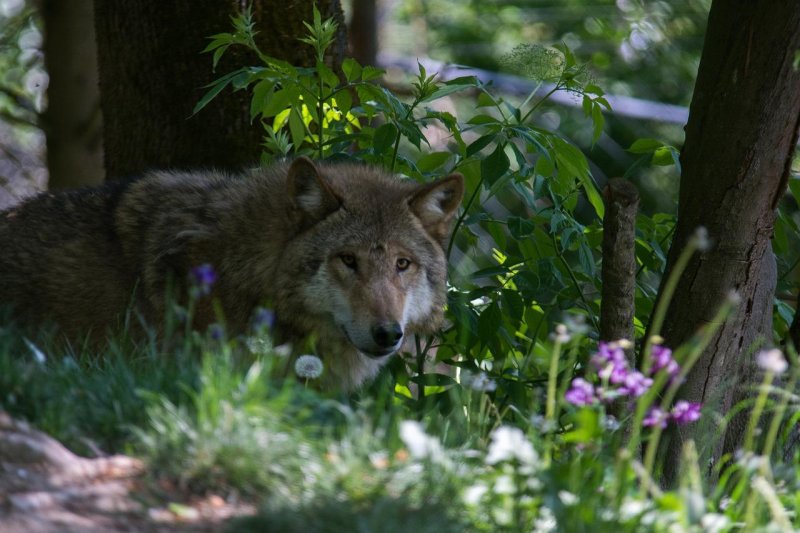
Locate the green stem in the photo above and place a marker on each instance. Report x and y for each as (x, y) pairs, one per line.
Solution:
(666, 297)
(550, 407)
(575, 282)
(540, 102)
(463, 215)
(707, 333)
(777, 418)
(758, 408)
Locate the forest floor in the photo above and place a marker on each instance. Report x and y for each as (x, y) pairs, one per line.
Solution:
(46, 488)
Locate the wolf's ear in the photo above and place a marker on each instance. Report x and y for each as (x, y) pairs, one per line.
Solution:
(308, 190)
(436, 203)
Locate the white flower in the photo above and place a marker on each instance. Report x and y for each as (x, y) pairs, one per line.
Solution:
(510, 443)
(546, 521)
(631, 508)
(772, 361)
(567, 498)
(283, 350)
(560, 335)
(474, 494)
(479, 382)
(308, 367)
(713, 522)
(701, 239)
(420, 445)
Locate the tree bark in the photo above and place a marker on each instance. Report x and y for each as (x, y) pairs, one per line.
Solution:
(364, 31)
(619, 261)
(72, 122)
(740, 140)
(152, 74)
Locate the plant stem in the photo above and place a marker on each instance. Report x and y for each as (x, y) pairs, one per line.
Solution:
(663, 302)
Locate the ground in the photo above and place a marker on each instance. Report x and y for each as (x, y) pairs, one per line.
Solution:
(46, 488)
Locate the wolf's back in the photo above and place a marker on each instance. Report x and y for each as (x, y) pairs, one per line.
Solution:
(62, 258)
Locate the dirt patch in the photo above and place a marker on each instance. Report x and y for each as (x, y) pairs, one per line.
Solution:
(46, 488)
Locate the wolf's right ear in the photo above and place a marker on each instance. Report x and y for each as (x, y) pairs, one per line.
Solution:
(435, 204)
(308, 191)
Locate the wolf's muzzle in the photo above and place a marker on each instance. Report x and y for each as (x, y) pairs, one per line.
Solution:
(387, 335)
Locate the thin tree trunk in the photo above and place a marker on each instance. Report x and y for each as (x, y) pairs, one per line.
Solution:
(364, 31)
(619, 261)
(152, 74)
(72, 122)
(740, 141)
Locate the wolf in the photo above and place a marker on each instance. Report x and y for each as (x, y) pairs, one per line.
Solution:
(346, 253)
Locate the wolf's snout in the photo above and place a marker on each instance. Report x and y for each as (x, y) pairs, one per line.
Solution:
(387, 334)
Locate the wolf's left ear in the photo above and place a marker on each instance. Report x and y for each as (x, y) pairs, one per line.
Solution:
(308, 191)
(436, 203)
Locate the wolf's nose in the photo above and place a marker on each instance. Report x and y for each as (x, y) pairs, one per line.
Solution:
(387, 334)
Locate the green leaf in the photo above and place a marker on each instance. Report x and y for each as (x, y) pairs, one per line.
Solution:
(520, 227)
(480, 143)
(662, 156)
(444, 91)
(571, 160)
(279, 101)
(384, 138)
(371, 73)
(482, 119)
(495, 165)
(351, 68)
(211, 94)
(433, 380)
(599, 120)
(485, 100)
(544, 166)
(262, 92)
(326, 74)
(794, 188)
(587, 427)
(645, 146)
(343, 101)
(586, 104)
(296, 128)
(432, 161)
(489, 321)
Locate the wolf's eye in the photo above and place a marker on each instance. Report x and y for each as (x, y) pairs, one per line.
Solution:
(349, 260)
(403, 263)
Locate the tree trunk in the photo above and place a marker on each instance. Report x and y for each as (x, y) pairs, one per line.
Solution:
(619, 261)
(740, 140)
(152, 74)
(72, 122)
(364, 31)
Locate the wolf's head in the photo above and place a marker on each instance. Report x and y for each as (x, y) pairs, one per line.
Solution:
(369, 254)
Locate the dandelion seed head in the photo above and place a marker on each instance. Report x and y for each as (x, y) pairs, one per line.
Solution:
(308, 367)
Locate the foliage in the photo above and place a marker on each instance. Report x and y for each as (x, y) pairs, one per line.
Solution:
(505, 439)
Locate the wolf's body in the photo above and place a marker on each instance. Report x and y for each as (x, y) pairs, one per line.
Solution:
(345, 252)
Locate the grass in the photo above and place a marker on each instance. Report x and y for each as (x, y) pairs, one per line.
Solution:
(208, 418)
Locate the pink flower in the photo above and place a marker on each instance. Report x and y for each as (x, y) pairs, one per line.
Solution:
(635, 383)
(685, 412)
(580, 393)
(662, 358)
(655, 417)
